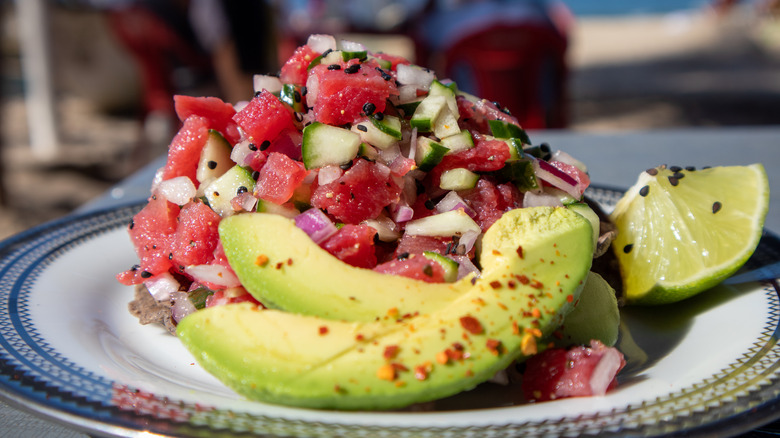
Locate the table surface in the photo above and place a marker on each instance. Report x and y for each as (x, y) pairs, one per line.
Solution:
(613, 159)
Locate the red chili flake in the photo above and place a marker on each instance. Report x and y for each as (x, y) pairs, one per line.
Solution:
(493, 346)
(570, 298)
(390, 352)
(523, 279)
(520, 251)
(323, 330)
(289, 262)
(496, 252)
(279, 265)
(359, 337)
(511, 284)
(442, 358)
(399, 367)
(495, 284)
(536, 284)
(515, 328)
(453, 354)
(421, 371)
(536, 313)
(386, 372)
(471, 324)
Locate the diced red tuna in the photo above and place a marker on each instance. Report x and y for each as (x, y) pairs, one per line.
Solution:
(196, 236)
(264, 117)
(415, 266)
(577, 372)
(218, 113)
(295, 70)
(279, 177)
(185, 148)
(337, 96)
(353, 244)
(360, 194)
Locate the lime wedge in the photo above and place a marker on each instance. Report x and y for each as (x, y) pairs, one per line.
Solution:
(682, 231)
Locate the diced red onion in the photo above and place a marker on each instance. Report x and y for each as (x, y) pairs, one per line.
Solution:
(182, 306)
(244, 201)
(554, 176)
(564, 157)
(533, 199)
(161, 286)
(384, 171)
(414, 75)
(316, 224)
(465, 266)
(312, 90)
(413, 143)
(267, 82)
(216, 275)
(402, 212)
(238, 106)
(453, 201)
(328, 174)
(386, 229)
(321, 43)
(352, 46)
(311, 176)
(469, 239)
(407, 93)
(158, 177)
(605, 370)
(389, 154)
(178, 190)
(241, 152)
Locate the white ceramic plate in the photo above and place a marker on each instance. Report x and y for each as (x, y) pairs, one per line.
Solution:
(70, 351)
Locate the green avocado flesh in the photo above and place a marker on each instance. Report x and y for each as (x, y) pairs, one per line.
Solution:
(308, 361)
(284, 269)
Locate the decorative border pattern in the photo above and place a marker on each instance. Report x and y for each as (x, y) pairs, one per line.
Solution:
(33, 371)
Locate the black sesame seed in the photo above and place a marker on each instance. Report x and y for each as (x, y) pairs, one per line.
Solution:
(352, 69)
(428, 270)
(326, 53)
(403, 256)
(679, 175)
(379, 116)
(265, 145)
(252, 147)
(135, 268)
(429, 204)
(212, 164)
(146, 274)
(258, 93)
(255, 175)
(346, 165)
(716, 206)
(297, 96)
(673, 181)
(675, 168)
(131, 225)
(170, 256)
(334, 67)
(298, 117)
(369, 108)
(362, 128)
(242, 189)
(690, 168)
(644, 191)
(627, 249)
(652, 171)
(304, 90)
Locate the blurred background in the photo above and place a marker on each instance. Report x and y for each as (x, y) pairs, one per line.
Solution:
(86, 86)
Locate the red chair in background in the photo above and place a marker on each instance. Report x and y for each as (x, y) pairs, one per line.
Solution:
(521, 66)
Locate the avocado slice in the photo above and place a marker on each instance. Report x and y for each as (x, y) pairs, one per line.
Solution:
(308, 361)
(284, 269)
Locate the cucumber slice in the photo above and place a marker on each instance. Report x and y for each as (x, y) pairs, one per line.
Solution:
(446, 124)
(291, 95)
(223, 189)
(458, 142)
(368, 151)
(323, 145)
(264, 206)
(428, 153)
(427, 112)
(502, 129)
(372, 135)
(407, 109)
(521, 173)
(332, 58)
(515, 148)
(390, 125)
(450, 266)
(383, 63)
(214, 158)
(362, 55)
(458, 179)
(448, 92)
(450, 223)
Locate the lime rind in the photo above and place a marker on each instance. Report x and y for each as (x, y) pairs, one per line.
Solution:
(673, 244)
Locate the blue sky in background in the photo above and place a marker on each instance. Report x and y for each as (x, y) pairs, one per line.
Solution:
(630, 7)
